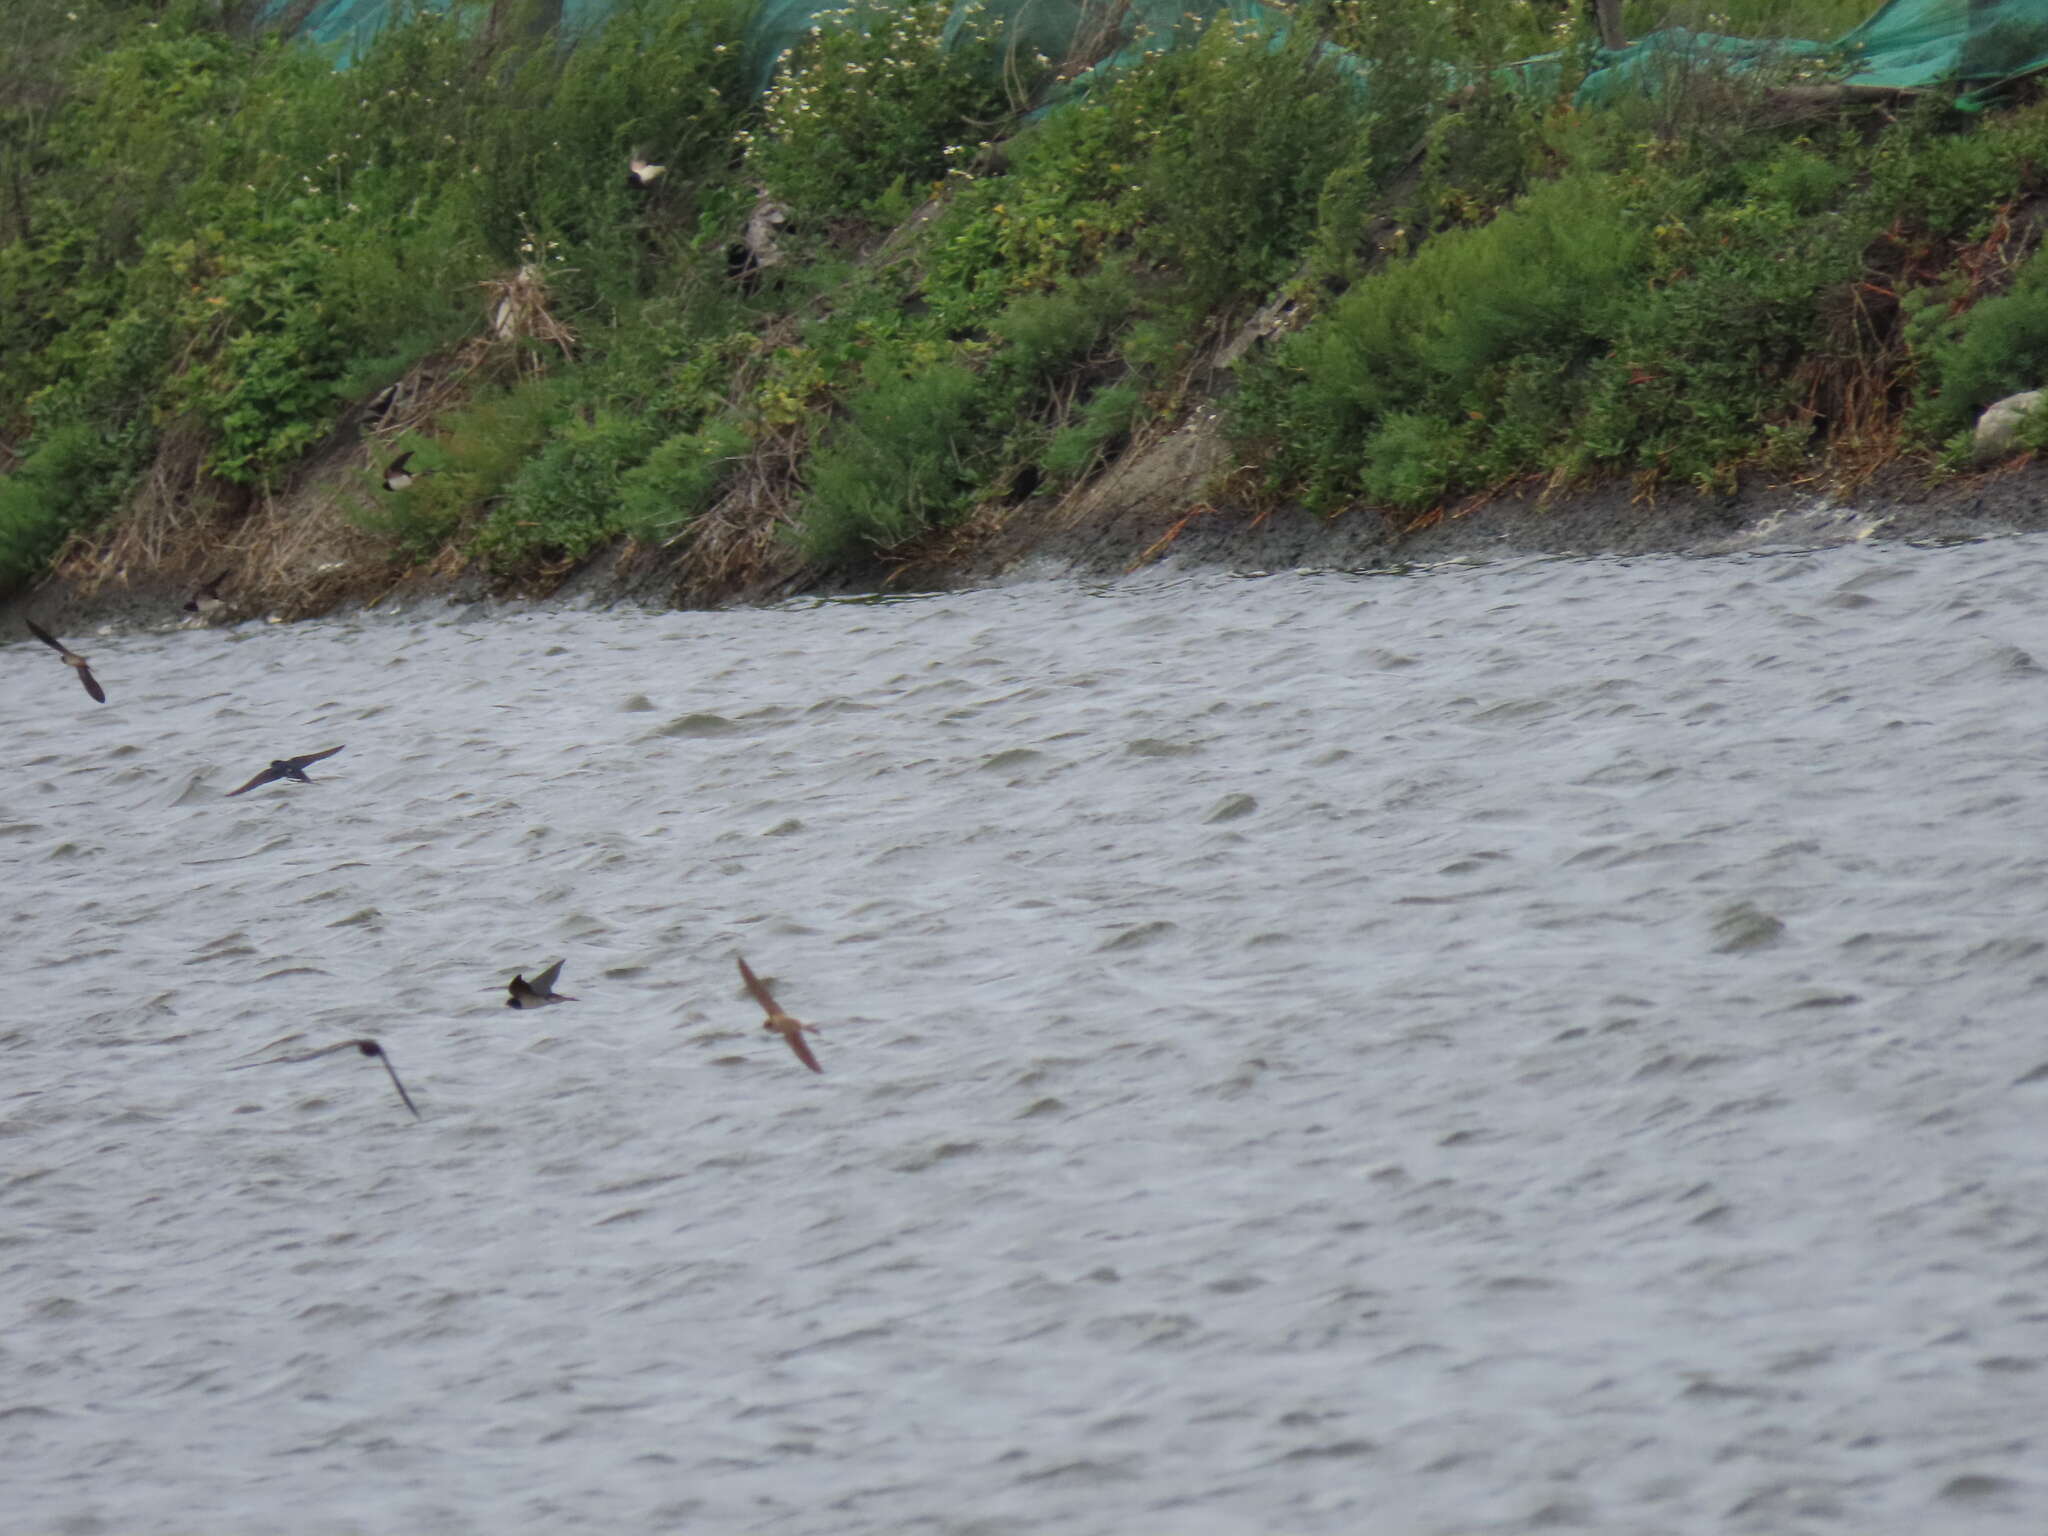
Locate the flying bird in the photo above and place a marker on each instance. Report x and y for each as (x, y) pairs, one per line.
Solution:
(366, 1047)
(539, 992)
(71, 659)
(397, 477)
(285, 768)
(207, 601)
(639, 174)
(791, 1030)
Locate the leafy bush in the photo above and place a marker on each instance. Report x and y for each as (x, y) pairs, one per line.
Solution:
(900, 464)
(475, 455)
(1042, 333)
(72, 477)
(1080, 445)
(1996, 348)
(871, 101)
(565, 501)
(679, 480)
(1440, 334)
(1240, 136)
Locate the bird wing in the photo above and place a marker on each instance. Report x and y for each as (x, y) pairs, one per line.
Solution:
(754, 985)
(544, 983)
(794, 1034)
(385, 1056)
(262, 778)
(92, 684)
(313, 757)
(397, 465)
(519, 987)
(365, 1047)
(46, 637)
(279, 1061)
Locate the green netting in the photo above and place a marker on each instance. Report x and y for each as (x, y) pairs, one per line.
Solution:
(1971, 47)
(1110, 34)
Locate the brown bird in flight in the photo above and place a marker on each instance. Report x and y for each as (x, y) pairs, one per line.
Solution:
(71, 659)
(539, 992)
(366, 1047)
(285, 768)
(791, 1030)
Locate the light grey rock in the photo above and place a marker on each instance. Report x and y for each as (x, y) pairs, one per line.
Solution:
(2000, 423)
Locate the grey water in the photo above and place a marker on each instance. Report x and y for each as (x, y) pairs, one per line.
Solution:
(1550, 1045)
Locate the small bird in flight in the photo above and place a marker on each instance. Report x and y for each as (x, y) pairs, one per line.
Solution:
(397, 477)
(639, 174)
(539, 992)
(207, 601)
(285, 768)
(71, 659)
(366, 1047)
(791, 1030)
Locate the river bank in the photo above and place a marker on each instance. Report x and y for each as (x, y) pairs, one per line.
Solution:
(1135, 521)
(1219, 308)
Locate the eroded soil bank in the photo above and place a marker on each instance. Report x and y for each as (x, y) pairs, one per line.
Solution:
(1147, 511)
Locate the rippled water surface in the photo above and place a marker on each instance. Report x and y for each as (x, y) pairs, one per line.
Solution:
(1531, 1047)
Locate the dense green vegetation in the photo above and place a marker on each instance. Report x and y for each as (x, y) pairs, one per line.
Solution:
(223, 263)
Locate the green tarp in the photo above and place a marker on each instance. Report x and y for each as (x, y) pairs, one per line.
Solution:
(1969, 47)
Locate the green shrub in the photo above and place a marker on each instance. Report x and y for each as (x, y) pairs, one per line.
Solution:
(1993, 349)
(1067, 202)
(871, 101)
(679, 479)
(565, 501)
(1039, 335)
(190, 223)
(1104, 421)
(1242, 135)
(1412, 460)
(71, 478)
(1443, 333)
(901, 463)
(549, 154)
(475, 454)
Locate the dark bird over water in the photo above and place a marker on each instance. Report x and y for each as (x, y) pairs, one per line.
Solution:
(285, 768)
(366, 1047)
(397, 477)
(791, 1030)
(639, 174)
(71, 659)
(539, 992)
(207, 601)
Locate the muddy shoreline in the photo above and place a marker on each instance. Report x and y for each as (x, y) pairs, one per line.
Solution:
(1168, 526)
